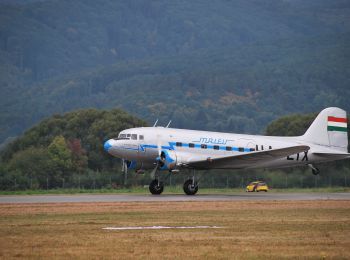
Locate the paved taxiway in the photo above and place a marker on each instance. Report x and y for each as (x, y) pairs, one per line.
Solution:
(167, 197)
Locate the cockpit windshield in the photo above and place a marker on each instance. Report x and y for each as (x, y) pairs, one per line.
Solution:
(130, 136)
(123, 137)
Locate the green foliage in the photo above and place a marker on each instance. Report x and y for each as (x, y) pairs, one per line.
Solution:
(60, 156)
(52, 153)
(31, 167)
(215, 65)
(292, 125)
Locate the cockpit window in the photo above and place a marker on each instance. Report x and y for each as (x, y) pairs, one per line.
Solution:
(141, 137)
(123, 137)
(133, 137)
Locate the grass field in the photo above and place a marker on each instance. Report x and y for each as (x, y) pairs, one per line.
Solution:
(250, 230)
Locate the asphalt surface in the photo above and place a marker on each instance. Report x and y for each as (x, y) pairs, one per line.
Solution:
(165, 197)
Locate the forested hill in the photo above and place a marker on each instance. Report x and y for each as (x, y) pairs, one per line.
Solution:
(216, 65)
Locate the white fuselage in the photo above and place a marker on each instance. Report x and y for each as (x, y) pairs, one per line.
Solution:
(141, 147)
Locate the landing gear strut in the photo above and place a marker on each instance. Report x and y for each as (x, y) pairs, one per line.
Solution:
(156, 187)
(315, 170)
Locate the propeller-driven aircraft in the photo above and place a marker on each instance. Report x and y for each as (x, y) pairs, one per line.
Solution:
(169, 149)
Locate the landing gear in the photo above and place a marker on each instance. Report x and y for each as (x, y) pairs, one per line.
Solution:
(315, 170)
(156, 187)
(190, 187)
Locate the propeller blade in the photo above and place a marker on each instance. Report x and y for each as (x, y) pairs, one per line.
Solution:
(159, 146)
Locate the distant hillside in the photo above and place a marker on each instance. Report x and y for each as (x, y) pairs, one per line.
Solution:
(223, 65)
(238, 90)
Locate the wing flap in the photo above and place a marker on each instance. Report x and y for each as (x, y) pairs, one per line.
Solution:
(249, 159)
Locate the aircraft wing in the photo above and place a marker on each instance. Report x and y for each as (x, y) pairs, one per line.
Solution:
(247, 160)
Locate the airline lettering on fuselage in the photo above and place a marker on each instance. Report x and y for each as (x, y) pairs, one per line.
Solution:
(206, 140)
(299, 158)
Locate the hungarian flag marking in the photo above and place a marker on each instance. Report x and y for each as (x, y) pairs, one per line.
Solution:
(337, 124)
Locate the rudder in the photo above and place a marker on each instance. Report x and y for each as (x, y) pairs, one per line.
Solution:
(329, 129)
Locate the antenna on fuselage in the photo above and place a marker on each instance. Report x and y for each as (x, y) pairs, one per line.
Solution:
(155, 124)
(168, 124)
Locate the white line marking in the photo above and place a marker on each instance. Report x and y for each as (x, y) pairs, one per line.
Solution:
(157, 227)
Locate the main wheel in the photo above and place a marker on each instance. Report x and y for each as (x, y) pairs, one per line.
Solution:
(190, 188)
(156, 187)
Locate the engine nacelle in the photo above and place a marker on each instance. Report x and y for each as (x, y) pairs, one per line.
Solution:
(168, 160)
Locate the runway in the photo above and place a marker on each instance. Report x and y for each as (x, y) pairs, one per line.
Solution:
(166, 197)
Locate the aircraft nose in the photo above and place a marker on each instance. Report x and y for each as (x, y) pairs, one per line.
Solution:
(107, 145)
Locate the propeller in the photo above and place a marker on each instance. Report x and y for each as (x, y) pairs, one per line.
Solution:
(159, 145)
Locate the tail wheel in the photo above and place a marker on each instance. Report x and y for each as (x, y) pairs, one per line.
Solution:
(315, 171)
(190, 187)
(156, 187)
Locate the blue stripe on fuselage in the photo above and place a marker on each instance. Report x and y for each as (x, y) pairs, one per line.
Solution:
(172, 146)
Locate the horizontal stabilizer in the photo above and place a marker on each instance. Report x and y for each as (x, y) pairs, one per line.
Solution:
(333, 156)
(246, 160)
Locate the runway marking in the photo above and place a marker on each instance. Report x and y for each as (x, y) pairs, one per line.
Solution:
(158, 227)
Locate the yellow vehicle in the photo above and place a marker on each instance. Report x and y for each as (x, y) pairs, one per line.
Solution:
(257, 186)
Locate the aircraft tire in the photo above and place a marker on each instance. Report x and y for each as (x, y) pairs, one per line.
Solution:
(156, 187)
(190, 189)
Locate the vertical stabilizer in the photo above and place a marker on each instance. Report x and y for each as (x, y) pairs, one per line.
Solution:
(329, 129)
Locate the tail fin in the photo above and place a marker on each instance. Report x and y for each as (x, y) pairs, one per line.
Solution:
(330, 128)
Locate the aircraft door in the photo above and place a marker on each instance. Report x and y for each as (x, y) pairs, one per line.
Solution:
(248, 143)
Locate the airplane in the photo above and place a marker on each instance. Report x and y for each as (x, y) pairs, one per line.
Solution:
(168, 149)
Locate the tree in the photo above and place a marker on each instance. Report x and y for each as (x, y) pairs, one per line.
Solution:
(61, 157)
(79, 157)
(30, 168)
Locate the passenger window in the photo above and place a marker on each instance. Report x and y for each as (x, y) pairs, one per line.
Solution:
(228, 148)
(240, 149)
(216, 147)
(128, 135)
(178, 144)
(141, 137)
(204, 146)
(252, 149)
(270, 147)
(191, 145)
(133, 137)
